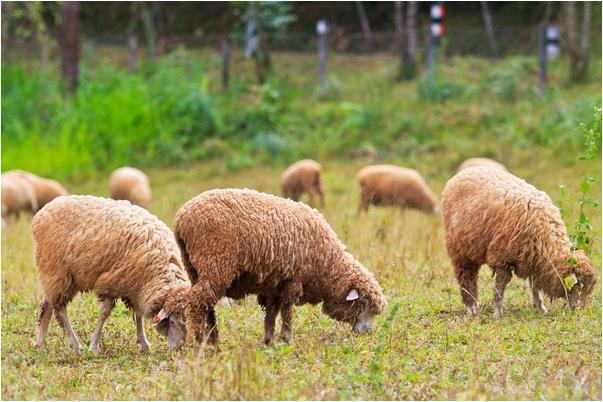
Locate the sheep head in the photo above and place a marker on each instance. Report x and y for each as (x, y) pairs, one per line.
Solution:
(586, 279)
(169, 321)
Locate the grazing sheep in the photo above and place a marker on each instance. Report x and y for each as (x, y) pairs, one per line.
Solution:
(393, 185)
(17, 195)
(493, 217)
(130, 184)
(240, 242)
(116, 250)
(472, 162)
(302, 176)
(46, 190)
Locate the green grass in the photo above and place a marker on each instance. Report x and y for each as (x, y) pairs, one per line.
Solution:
(423, 346)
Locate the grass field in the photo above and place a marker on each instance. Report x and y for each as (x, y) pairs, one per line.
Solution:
(423, 346)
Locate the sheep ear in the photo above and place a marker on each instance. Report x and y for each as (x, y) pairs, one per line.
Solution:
(160, 316)
(353, 295)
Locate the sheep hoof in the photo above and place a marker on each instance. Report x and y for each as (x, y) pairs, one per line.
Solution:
(497, 314)
(95, 349)
(541, 307)
(268, 341)
(471, 311)
(142, 348)
(287, 338)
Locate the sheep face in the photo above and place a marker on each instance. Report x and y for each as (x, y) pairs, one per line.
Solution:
(171, 326)
(354, 310)
(584, 271)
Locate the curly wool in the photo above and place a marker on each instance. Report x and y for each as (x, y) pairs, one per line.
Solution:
(239, 242)
(128, 183)
(302, 176)
(472, 162)
(493, 217)
(393, 185)
(112, 248)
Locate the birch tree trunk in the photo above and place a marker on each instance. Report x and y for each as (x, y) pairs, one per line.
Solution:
(364, 22)
(489, 26)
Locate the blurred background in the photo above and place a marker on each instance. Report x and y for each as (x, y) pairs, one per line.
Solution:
(90, 86)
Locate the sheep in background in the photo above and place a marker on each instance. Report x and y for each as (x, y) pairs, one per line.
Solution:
(240, 242)
(493, 217)
(303, 176)
(116, 250)
(393, 185)
(128, 183)
(17, 195)
(472, 162)
(45, 189)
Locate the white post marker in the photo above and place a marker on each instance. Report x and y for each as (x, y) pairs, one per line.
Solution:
(322, 29)
(553, 33)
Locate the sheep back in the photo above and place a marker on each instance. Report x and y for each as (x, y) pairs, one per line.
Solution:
(300, 176)
(472, 162)
(128, 183)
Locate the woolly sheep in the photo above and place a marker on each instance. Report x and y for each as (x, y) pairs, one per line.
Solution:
(128, 183)
(472, 162)
(238, 242)
(45, 189)
(393, 185)
(302, 176)
(493, 217)
(17, 195)
(116, 250)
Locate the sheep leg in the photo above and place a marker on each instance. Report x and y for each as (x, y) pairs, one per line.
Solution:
(44, 318)
(107, 307)
(213, 327)
(365, 200)
(291, 294)
(199, 311)
(141, 337)
(503, 277)
(321, 194)
(61, 316)
(466, 276)
(537, 301)
(272, 309)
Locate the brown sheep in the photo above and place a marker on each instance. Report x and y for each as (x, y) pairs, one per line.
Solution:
(472, 162)
(303, 176)
(493, 217)
(128, 183)
(239, 242)
(393, 185)
(116, 250)
(46, 189)
(17, 195)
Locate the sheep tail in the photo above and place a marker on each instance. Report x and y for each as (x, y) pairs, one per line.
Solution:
(190, 268)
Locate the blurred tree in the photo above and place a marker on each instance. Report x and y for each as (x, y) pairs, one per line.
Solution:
(364, 22)
(265, 21)
(407, 38)
(578, 48)
(69, 41)
(487, 17)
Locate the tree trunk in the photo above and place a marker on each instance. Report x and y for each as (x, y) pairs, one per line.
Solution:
(489, 27)
(409, 51)
(578, 52)
(399, 24)
(149, 30)
(69, 41)
(364, 22)
(225, 61)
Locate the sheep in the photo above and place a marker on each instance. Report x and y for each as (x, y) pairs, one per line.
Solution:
(45, 189)
(237, 242)
(303, 176)
(17, 195)
(128, 183)
(471, 162)
(116, 250)
(494, 217)
(393, 185)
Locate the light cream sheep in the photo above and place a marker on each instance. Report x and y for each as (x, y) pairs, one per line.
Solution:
(303, 176)
(116, 250)
(128, 183)
(493, 217)
(17, 195)
(393, 185)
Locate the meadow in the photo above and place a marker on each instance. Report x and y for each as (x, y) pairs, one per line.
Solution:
(173, 120)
